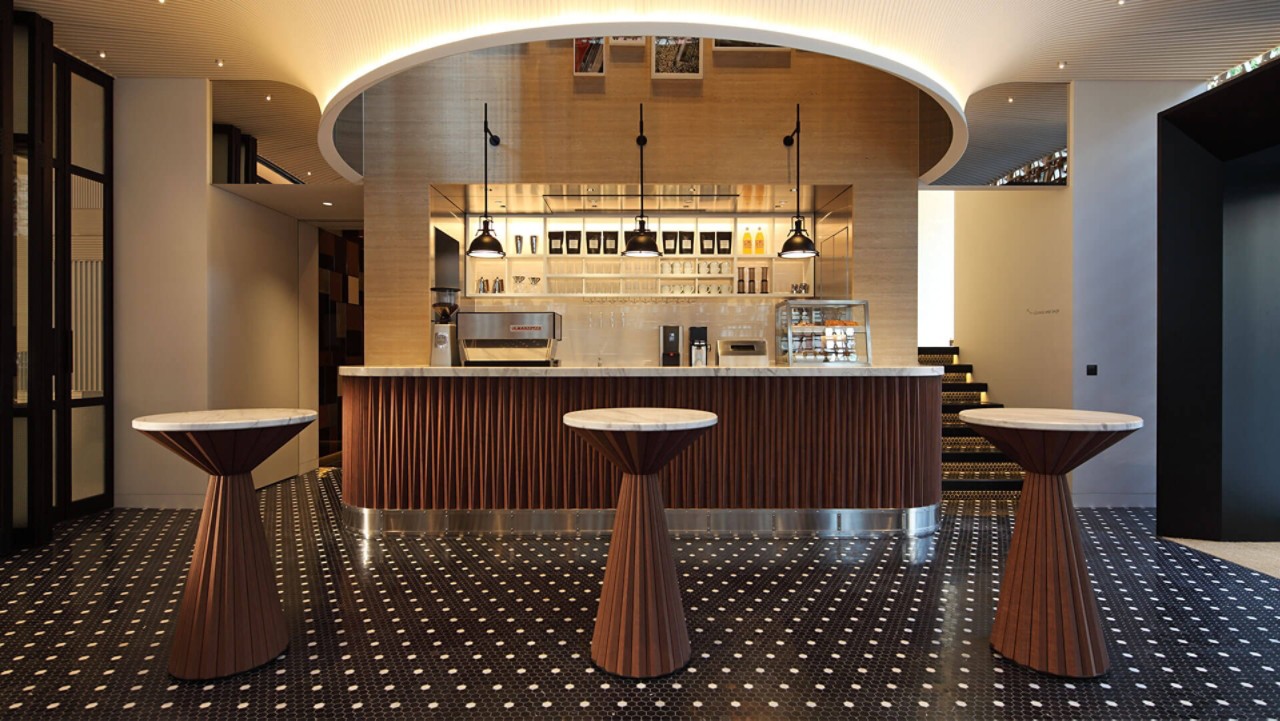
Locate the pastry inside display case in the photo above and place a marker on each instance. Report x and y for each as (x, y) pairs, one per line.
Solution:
(823, 332)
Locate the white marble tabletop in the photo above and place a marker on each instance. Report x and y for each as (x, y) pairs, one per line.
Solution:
(638, 371)
(640, 419)
(229, 419)
(1051, 419)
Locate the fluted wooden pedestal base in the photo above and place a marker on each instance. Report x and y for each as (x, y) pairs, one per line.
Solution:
(230, 619)
(640, 630)
(1048, 616)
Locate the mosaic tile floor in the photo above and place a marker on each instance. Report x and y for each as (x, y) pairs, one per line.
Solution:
(485, 627)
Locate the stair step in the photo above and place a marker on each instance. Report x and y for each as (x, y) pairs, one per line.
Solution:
(954, 378)
(980, 456)
(957, 407)
(958, 368)
(967, 444)
(963, 387)
(960, 431)
(981, 484)
(1005, 470)
(938, 350)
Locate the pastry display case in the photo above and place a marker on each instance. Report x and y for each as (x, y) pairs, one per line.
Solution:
(822, 332)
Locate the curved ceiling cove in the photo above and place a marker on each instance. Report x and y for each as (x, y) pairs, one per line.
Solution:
(843, 48)
(334, 48)
(1010, 125)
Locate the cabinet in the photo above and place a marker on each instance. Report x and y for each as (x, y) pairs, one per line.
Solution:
(577, 256)
(822, 332)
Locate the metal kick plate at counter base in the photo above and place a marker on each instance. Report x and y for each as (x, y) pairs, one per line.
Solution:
(818, 523)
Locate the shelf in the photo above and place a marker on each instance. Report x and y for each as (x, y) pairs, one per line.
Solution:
(620, 294)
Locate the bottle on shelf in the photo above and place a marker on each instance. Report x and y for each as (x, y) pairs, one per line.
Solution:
(751, 280)
(742, 284)
(746, 243)
(764, 281)
(759, 240)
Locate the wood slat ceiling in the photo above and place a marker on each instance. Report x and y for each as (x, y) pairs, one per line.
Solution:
(1005, 135)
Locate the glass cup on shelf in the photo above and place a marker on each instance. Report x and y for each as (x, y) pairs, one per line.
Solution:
(519, 280)
(533, 283)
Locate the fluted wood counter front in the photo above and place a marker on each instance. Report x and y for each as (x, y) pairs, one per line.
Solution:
(451, 439)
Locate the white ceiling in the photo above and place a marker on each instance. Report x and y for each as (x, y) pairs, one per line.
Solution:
(307, 202)
(953, 48)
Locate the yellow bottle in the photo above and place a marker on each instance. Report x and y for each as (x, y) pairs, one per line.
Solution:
(746, 242)
(759, 240)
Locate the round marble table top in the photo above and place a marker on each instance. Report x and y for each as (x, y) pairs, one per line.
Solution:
(640, 419)
(1051, 419)
(229, 419)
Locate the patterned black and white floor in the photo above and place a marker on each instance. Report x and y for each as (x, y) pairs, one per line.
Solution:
(488, 627)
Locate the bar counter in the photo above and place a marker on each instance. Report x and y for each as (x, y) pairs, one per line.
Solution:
(826, 450)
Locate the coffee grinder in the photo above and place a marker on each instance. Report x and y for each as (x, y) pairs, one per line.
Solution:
(444, 331)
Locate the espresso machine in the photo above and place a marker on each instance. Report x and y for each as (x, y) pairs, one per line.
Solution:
(444, 329)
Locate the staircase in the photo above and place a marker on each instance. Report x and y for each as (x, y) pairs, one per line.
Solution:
(969, 461)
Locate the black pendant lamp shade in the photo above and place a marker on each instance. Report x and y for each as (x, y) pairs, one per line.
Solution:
(486, 244)
(798, 244)
(642, 242)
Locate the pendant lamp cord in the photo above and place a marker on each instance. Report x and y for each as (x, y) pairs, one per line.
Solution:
(641, 141)
(486, 160)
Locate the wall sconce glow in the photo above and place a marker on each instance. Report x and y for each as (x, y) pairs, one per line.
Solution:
(1247, 66)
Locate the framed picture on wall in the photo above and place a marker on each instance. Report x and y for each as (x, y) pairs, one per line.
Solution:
(626, 40)
(723, 44)
(588, 56)
(677, 57)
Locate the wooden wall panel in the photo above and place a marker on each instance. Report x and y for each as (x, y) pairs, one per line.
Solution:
(499, 443)
(861, 128)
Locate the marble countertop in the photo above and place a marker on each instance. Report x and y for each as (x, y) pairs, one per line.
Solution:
(1051, 419)
(229, 419)
(640, 419)
(638, 371)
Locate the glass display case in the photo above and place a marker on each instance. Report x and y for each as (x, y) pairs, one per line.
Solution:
(827, 332)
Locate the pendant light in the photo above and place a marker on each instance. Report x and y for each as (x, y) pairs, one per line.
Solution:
(798, 244)
(642, 242)
(486, 244)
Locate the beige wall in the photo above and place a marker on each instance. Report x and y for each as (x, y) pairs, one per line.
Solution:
(161, 284)
(216, 299)
(1013, 296)
(255, 318)
(423, 126)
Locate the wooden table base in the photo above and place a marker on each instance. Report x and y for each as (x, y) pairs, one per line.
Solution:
(230, 619)
(640, 629)
(1048, 618)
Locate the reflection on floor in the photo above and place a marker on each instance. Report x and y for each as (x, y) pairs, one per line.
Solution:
(487, 627)
(1263, 557)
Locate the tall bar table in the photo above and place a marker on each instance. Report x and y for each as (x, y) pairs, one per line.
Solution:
(640, 628)
(1047, 618)
(230, 619)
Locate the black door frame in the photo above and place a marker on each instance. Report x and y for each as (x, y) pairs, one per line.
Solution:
(37, 143)
(63, 341)
(8, 334)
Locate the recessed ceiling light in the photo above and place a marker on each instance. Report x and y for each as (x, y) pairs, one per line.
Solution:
(268, 98)
(1120, 2)
(326, 203)
(1011, 100)
(218, 62)
(308, 172)
(1062, 64)
(102, 53)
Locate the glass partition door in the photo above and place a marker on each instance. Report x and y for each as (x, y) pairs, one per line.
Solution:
(55, 287)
